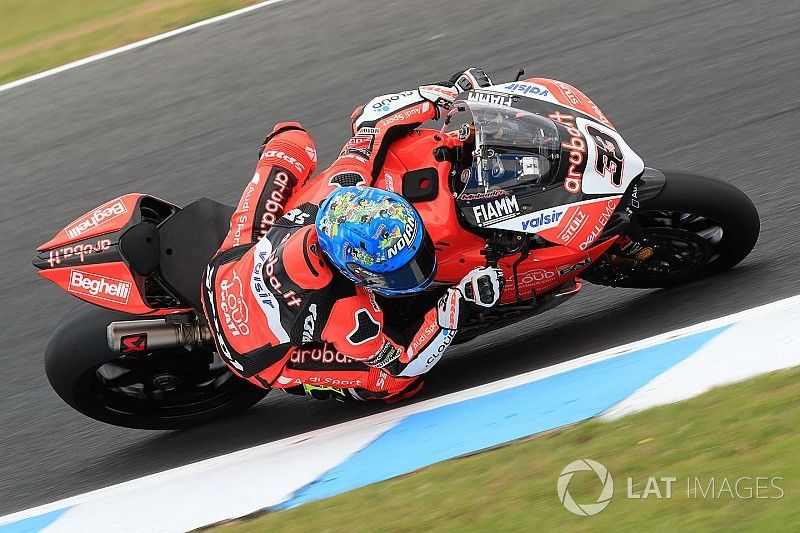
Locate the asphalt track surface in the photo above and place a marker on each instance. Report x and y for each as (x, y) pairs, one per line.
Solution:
(703, 86)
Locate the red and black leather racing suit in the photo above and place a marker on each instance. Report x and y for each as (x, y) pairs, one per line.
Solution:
(280, 315)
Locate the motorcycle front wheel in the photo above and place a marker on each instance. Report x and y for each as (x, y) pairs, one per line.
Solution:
(694, 227)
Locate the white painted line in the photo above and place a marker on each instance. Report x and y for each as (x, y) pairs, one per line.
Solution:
(385, 420)
(215, 491)
(297, 453)
(748, 348)
(138, 44)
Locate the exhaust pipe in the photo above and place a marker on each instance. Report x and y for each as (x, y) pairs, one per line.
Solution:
(139, 336)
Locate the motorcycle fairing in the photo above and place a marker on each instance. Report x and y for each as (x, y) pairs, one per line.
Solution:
(553, 92)
(110, 256)
(574, 225)
(110, 217)
(109, 285)
(542, 270)
(548, 97)
(459, 249)
(543, 168)
(611, 165)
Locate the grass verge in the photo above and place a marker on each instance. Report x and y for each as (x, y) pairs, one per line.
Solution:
(36, 35)
(748, 432)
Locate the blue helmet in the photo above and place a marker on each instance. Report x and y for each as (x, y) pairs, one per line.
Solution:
(376, 238)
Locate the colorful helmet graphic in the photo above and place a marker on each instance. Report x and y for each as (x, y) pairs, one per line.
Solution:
(376, 238)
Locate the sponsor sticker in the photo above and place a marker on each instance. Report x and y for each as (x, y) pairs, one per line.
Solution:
(404, 115)
(360, 144)
(290, 296)
(278, 154)
(386, 103)
(568, 93)
(573, 226)
(98, 286)
(406, 240)
(280, 184)
(532, 278)
(431, 354)
(602, 220)
(496, 210)
(535, 222)
(488, 98)
(494, 193)
(222, 343)
(424, 336)
(573, 100)
(389, 179)
(312, 153)
(297, 216)
(79, 251)
(577, 152)
(565, 270)
(527, 89)
(388, 353)
(99, 217)
(233, 306)
(136, 343)
(320, 356)
(309, 324)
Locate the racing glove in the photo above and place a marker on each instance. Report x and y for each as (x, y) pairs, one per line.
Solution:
(444, 93)
(480, 288)
(471, 79)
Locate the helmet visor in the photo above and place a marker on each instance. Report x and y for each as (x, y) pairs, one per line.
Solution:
(411, 277)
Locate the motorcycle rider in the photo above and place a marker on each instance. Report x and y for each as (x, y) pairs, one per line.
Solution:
(291, 296)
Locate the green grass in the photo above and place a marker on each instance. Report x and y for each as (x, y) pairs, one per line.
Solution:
(747, 429)
(39, 34)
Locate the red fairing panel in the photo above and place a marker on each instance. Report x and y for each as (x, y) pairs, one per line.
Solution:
(457, 250)
(110, 217)
(545, 269)
(84, 258)
(581, 223)
(569, 96)
(109, 285)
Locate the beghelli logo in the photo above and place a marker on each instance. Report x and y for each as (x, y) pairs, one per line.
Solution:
(97, 286)
(100, 216)
(586, 509)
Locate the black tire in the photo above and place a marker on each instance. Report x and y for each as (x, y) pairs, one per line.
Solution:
(78, 349)
(715, 200)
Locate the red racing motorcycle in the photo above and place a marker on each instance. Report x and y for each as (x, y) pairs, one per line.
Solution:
(528, 176)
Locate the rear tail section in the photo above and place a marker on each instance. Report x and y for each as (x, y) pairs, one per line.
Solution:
(110, 256)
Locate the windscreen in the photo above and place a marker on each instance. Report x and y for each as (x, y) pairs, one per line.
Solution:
(517, 164)
(512, 145)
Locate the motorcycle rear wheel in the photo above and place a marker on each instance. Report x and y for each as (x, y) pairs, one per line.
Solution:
(696, 226)
(165, 389)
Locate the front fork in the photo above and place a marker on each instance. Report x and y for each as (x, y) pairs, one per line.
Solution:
(632, 243)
